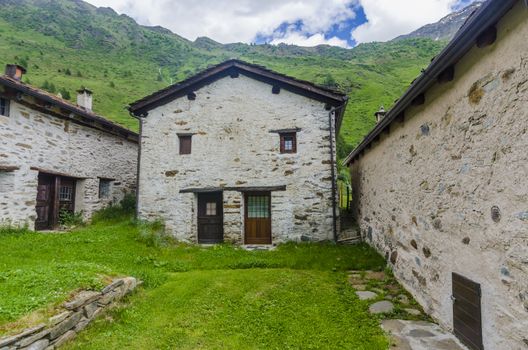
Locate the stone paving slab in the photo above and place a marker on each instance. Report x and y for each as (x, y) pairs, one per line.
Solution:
(420, 335)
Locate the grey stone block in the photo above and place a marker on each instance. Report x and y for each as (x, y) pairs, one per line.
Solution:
(38, 345)
(65, 325)
(66, 337)
(83, 298)
(381, 307)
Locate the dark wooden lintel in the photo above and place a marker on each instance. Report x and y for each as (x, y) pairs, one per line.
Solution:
(487, 37)
(237, 188)
(400, 118)
(284, 131)
(9, 168)
(53, 172)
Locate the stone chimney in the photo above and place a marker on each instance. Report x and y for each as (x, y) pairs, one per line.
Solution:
(380, 114)
(84, 98)
(15, 71)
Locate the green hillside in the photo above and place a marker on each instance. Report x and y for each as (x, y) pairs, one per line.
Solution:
(66, 44)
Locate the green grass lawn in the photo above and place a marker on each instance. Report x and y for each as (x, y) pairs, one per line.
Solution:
(193, 297)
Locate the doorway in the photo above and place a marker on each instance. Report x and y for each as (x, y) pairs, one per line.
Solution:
(55, 194)
(257, 218)
(210, 218)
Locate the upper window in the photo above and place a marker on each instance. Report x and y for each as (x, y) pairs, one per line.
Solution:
(104, 188)
(4, 107)
(185, 144)
(288, 142)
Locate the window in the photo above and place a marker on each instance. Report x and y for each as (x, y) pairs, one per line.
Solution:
(65, 193)
(258, 206)
(185, 144)
(4, 107)
(210, 209)
(288, 142)
(104, 188)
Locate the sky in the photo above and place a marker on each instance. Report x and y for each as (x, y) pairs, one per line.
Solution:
(344, 23)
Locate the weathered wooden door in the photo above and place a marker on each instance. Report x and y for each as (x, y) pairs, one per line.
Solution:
(210, 218)
(467, 322)
(45, 202)
(257, 218)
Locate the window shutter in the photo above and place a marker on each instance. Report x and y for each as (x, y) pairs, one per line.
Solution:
(185, 144)
(282, 143)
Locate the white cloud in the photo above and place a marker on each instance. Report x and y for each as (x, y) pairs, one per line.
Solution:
(239, 20)
(386, 19)
(299, 39)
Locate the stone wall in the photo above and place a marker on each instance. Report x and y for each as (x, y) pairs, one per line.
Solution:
(447, 190)
(233, 146)
(76, 315)
(29, 138)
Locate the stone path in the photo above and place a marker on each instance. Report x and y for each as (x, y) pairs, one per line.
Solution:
(420, 335)
(410, 328)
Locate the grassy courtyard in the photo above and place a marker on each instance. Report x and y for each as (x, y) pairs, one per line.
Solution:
(192, 297)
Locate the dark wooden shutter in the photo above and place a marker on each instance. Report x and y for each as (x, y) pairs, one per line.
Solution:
(185, 144)
(467, 321)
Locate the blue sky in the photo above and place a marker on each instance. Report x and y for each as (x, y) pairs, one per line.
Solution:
(302, 22)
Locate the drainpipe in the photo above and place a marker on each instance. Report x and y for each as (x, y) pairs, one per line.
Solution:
(334, 110)
(140, 119)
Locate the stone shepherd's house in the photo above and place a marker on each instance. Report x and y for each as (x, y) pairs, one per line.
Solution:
(57, 156)
(440, 185)
(240, 153)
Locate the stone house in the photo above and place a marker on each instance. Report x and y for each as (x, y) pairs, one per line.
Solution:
(56, 156)
(440, 184)
(240, 153)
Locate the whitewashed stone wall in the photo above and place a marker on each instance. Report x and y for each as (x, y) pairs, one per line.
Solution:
(233, 147)
(29, 138)
(424, 194)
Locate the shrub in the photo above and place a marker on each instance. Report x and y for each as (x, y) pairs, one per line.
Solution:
(153, 234)
(122, 210)
(70, 219)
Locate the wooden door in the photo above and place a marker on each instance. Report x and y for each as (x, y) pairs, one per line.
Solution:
(45, 202)
(467, 322)
(257, 218)
(210, 218)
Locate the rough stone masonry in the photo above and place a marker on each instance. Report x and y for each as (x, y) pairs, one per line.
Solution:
(31, 139)
(447, 190)
(232, 146)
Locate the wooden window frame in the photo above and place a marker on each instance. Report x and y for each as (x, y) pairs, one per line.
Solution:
(105, 188)
(4, 107)
(185, 144)
(283, 137)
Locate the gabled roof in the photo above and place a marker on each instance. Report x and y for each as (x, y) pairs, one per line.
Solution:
(233, 67)
(481, 20)
(77, 114)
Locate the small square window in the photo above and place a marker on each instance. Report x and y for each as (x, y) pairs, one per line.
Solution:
(4, 107)
(65, 193)
(185, 144)
(288, 142)
(210, 209)
(104, 188)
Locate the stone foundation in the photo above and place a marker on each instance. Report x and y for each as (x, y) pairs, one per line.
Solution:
(76, 315)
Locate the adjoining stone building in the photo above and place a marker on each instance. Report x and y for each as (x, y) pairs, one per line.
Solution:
(440, 184)
(56, 156)
(240, 153)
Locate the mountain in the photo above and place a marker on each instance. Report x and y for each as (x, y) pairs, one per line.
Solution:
(446, 28)
(66, 44)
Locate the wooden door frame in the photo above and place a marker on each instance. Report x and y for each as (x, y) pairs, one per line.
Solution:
(221, 209)
(246, 206)
(55, 183)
